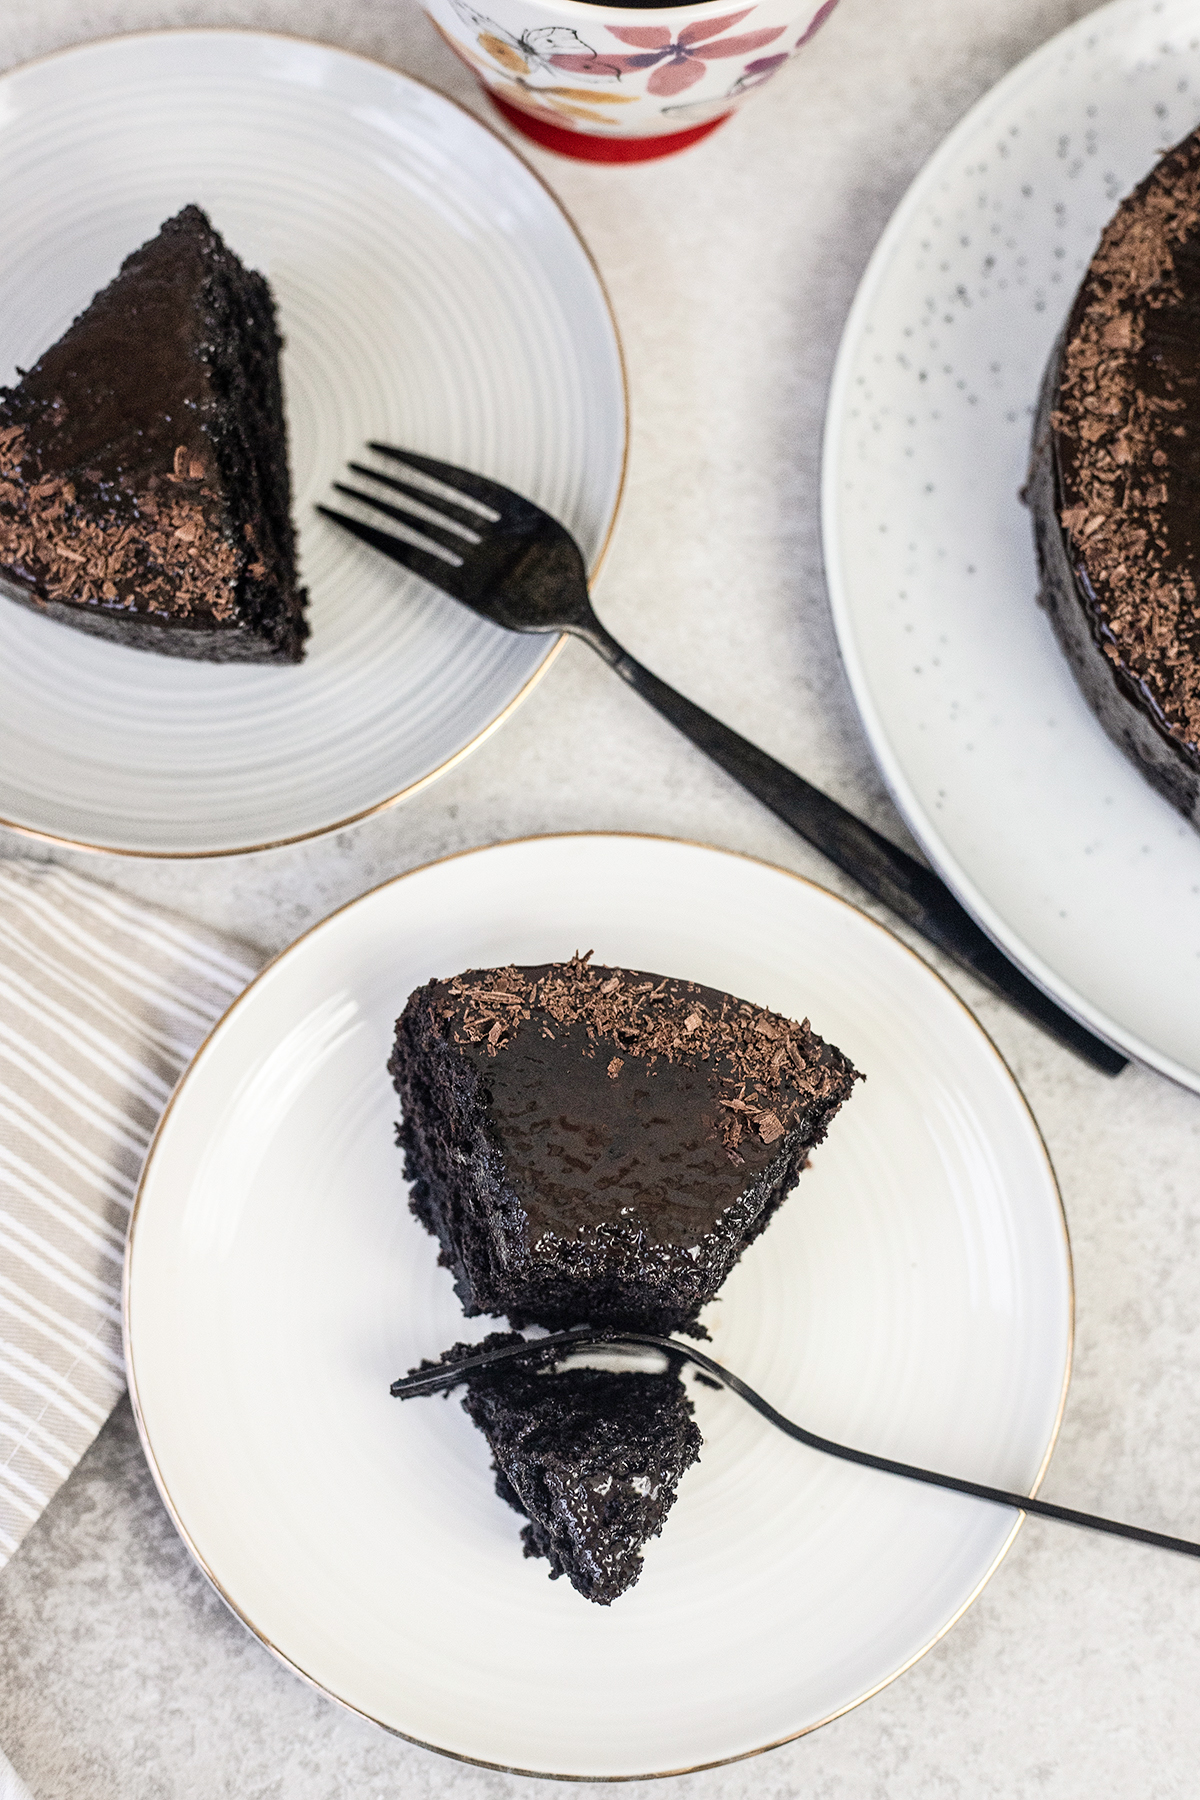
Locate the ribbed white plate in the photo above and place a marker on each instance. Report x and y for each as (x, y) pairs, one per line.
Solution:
(912, 1297)
(432, 294)
(1047, 833)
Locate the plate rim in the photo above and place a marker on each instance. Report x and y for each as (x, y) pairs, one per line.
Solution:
(110, 39)
(917, 818)
(566, 837)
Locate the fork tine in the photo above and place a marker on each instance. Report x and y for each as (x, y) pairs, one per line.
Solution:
(465, 481)
(433, 569)
(428, 503)
(436, 534)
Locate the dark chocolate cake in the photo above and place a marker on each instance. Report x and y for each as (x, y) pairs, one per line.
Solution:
(1115, 479)
(591, 1458)
(144, 490)
(595, 1145)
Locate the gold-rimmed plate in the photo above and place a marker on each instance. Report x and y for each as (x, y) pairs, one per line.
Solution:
(912, 1297)
(432, 293)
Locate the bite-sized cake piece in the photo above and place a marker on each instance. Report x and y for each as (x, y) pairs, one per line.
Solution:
(1115, 479)
(590, 1457)
(144, 490)
(600, 1145)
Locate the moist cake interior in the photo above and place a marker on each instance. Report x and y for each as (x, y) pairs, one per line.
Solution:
(591, 1458)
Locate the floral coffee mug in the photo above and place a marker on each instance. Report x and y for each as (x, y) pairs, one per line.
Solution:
(623, 83)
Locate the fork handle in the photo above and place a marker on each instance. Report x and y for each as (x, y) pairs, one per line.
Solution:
(913, 892)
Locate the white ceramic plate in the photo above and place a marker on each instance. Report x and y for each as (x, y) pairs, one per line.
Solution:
(913, 1297)
(432, 293)
(1051, 838)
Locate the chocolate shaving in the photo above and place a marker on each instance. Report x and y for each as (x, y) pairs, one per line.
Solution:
(84, 549)
(769, 1068)
(1113, 434)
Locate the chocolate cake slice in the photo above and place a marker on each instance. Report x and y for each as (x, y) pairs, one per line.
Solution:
(595, 1145)
(144, 490)
(591, 1458)
(1115, 479)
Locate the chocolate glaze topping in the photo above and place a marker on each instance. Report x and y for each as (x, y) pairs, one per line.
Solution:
(1126, 437)
(142, 467)
(629, 1095)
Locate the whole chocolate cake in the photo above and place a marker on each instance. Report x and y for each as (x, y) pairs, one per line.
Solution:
(1115, 479)
(595, 1145)
(144, 490)
(591, 1458)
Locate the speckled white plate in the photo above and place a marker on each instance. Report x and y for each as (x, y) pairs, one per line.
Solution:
(913, 1297)
(1045, 831)
(432, 293)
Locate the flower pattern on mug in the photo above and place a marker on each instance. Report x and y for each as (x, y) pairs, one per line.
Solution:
(752, 76)
(556, 105)
(755, 73)
(536, 50)
(818, 19)
(677, 64)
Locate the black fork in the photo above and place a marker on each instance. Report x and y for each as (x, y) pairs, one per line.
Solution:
(514, 564)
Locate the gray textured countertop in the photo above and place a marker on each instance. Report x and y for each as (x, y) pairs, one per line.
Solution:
(731, 269)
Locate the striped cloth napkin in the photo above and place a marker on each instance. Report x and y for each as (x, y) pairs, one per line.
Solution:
(11, 1785)
(102, 1002)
